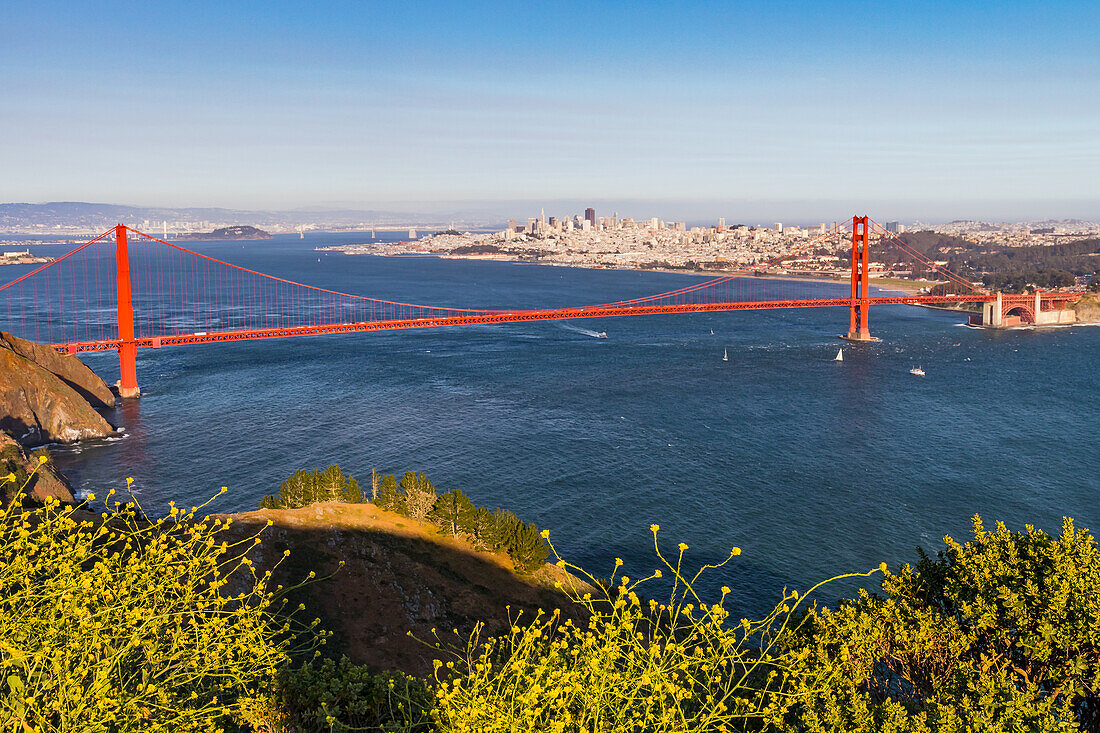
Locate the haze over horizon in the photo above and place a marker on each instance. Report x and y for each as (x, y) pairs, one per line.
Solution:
(786, 111)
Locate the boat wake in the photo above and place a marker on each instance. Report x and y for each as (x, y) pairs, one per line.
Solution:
(585, 331)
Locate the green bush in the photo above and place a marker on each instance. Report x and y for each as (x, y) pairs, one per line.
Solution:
(114, 623)
(338, 696)
(999, 634)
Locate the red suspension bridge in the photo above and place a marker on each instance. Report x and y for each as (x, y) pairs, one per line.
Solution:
(158, 293)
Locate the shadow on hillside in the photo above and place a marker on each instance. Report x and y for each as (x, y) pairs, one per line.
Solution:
(392, 585)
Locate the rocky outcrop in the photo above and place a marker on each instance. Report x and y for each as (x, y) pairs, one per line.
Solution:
(68, 369)
(48, 397)
(40, 479)
(1088, 308)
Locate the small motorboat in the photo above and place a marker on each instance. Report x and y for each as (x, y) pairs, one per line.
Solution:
(601, 335)
(918, 372)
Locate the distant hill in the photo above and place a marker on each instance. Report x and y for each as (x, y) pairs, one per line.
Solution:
(233, 232)
(69, 215)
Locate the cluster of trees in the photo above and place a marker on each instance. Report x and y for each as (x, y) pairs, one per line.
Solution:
(1010, 269)
(1023, 281)
(305, 488)
(417, 498)
(494, 529)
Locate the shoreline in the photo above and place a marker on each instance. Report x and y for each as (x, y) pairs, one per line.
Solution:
(887, 284)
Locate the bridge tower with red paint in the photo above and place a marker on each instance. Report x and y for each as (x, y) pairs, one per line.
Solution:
(860, 304)
(127, 346)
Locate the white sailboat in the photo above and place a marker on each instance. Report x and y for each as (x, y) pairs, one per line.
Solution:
(839, 355)
(725, 355)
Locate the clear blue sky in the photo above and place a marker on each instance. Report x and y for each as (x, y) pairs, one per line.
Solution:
(926, 109)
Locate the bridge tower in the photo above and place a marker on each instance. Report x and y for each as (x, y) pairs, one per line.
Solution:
(859, 305)
(127, 347)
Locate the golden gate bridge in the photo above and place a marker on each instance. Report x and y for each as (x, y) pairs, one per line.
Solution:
(83, 301)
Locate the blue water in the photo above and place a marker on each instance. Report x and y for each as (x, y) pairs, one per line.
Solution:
(812, 467)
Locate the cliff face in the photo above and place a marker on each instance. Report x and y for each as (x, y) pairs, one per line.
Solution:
(1088, 308)
(68, 369)
(48, 397)
(46, 481)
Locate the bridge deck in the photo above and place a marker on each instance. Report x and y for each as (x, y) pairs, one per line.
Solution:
(518, 316)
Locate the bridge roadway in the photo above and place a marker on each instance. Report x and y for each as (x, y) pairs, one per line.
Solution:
(517, 316)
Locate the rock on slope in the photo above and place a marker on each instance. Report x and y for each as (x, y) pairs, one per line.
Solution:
(46, 481)
(48, 397)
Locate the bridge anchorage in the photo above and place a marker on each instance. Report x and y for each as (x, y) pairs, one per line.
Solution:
(146, 292)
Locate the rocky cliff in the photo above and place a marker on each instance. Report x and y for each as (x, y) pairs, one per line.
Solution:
(40, 483)
(49, 397)
(1088, 308)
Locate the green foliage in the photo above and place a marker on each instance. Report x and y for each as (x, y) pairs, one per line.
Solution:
(500, 533)
(479, 523)
(114, 623)
(416, 497)
(305, 488)
(420, 495)
(998, 634)
(454, 511)
(528, 549)
(389, 496)
(332, 696)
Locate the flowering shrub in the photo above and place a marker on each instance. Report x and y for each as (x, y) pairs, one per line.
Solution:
(998, 634)
(635, 665)
(113, 622)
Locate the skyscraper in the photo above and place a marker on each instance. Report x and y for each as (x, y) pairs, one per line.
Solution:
(590, 215)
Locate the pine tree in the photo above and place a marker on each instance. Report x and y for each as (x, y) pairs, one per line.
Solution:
(529, 550)
(420, 495)
(500, 534)
(330, 484)
(352, 493)
(478, 523)
(388, 496)
(454, 510)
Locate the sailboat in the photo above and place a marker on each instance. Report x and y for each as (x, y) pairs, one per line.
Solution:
(839, 355)
(725, 356)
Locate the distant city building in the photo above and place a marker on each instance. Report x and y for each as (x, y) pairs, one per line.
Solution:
(779, 227)
(892, 227)
(590, 216)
